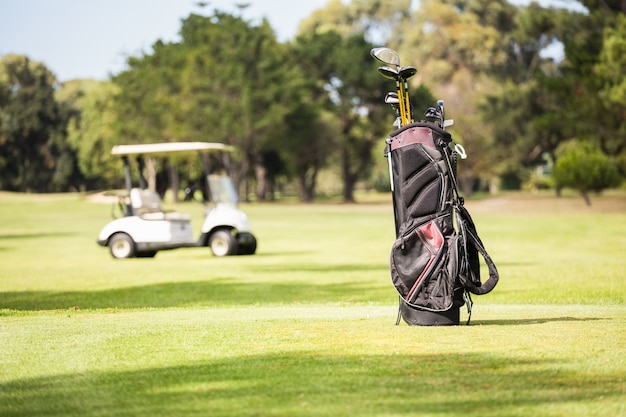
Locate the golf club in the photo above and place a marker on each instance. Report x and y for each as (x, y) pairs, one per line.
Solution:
(388, 72)
(393, 74)
(393, 70)
(445, 123)
(442, 113)
(432, 113)
(392, 99)
(386, 56)
(405, 73)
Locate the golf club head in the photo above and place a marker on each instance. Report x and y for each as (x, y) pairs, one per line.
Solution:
(432, 113)
(442, 114)
(386, 56)
(392, 98)
(388, 72)
(407, 72)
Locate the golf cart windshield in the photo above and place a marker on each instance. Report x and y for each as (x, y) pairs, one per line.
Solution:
(222, 189)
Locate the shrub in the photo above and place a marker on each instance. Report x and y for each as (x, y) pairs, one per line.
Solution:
(583, 167)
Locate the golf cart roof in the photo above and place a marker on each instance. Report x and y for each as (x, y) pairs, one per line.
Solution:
(168, 147)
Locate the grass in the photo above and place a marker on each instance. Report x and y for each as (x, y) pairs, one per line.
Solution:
(306, 326)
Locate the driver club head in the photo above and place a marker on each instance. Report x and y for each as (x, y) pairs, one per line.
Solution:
(388, 72)
(386, 56)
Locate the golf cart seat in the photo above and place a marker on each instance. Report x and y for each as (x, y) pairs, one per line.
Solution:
(147, 205)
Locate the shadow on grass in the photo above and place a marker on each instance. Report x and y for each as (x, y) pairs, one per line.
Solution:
(34, 235)
(519, 322)
(281, 268)
(218, 292)
(304, 384)
(11, 241)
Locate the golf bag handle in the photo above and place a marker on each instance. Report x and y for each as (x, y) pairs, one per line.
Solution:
(470, 237)
(422, 135)
(488, 285)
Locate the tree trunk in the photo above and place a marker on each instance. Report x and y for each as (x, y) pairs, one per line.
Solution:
(151, 173)
(239, 177)
(349, 183)
(349, 179)
(307, 186)
(174, 181)
(467, 184)
(260, 173)
(585, 195)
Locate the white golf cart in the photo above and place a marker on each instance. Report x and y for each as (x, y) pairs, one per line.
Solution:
(145, 228)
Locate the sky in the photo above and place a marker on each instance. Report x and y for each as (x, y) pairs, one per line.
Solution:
(92, 38)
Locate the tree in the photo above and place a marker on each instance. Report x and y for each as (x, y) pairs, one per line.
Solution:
(313, 136)
(90, 130)
(147, 107)
(455, 36)
(610, 71)
(381, 22)
(34, 155)
(351, 89)
(225, 81)
(541, 103)
(460, 48)
(581, 89)
(611, 65)
(583, 167)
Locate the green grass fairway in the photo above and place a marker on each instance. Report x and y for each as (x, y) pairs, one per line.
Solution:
(306, 326)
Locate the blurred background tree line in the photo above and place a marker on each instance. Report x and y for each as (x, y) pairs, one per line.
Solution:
(313, 106)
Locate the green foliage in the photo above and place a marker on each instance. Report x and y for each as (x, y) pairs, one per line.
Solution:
(380, 20)
(90, 131)
(546, 103)
(33, 153)
(297, 108)
(460, 37)
(612, 64)
(353, 91)
(583, 167)
(538, 181)
(226, 81)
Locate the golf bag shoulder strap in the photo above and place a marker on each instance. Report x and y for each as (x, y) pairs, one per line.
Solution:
(470, 274)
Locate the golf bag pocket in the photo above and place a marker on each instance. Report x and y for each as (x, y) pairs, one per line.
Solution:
(426, 187)
(423, 262)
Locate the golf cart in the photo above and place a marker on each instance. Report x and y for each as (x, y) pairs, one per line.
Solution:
(144, 228)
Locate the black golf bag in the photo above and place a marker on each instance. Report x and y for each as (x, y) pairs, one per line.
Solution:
(435, 259)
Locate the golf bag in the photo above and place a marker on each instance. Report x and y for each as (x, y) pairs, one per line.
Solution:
(434, 261)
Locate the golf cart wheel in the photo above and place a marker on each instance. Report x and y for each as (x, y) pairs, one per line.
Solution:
(223, 243)
(122, 246)
(248, 248)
